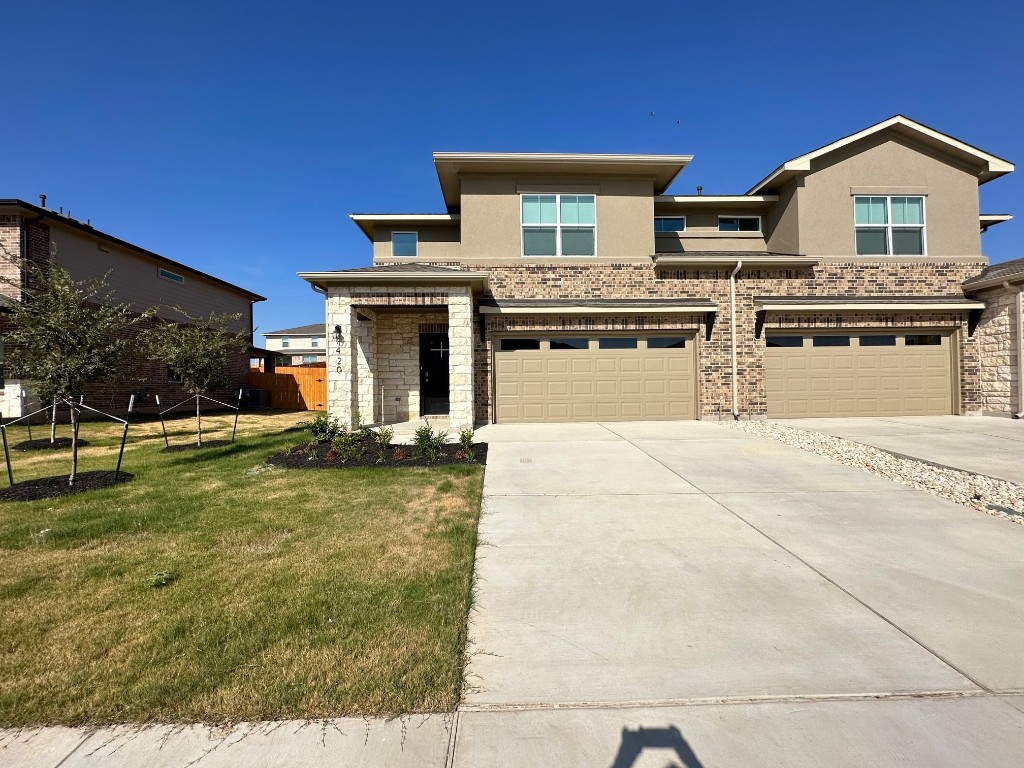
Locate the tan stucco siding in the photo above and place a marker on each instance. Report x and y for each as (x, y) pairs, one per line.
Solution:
(701, 233)
(433, 243)
(491, 214)
(781, 223)
(888, 165)
(134, 278)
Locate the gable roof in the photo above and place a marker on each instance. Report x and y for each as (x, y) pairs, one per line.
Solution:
(301, 330)
(89, 229)
(991, 166)
(997, 274)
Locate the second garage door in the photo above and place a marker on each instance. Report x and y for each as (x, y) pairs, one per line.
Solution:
(595, 378)
(859, 374)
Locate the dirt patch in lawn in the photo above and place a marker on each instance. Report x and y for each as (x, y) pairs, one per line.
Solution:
(46, 445)
(322, 456)
(50, 487)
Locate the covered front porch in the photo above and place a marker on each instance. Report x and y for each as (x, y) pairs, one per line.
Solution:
(400, 343)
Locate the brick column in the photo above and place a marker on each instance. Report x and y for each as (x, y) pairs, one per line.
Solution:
(460, 358)
(341, 356)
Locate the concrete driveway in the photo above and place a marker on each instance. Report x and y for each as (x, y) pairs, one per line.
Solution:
(983, 444)
(685, 592)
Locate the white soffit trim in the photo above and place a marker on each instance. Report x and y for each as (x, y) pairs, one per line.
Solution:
(365, 221)
(552, 310)
(892, 306)
(996, 166)
(715, 200)
(991, 219)
(749, 260)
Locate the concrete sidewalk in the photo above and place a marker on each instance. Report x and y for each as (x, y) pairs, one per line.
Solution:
(984, 444)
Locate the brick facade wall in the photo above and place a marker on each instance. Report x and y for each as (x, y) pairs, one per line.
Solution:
(999, 372)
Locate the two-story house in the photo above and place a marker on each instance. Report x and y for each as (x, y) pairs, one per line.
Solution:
(302, 345)
(134, 275)
(570, 287)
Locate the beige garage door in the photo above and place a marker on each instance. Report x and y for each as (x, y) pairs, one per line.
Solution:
(859, 374)
(595, 378)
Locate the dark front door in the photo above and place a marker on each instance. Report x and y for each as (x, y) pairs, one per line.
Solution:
(433, 374)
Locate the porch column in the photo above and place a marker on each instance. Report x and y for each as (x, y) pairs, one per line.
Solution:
(460, 358)
(364, 349)
(341, 356)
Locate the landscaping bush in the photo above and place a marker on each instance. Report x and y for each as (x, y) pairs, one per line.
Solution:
(382, 437)
(348, 446)
(323, 428)
(427, 443)
(466, 441)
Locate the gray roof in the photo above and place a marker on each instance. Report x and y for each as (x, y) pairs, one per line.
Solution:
(302, 330)
(599, 303)
(1008, 270)
(414, 267)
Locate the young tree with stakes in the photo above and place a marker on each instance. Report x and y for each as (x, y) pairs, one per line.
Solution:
(64, 334)
(199, 352)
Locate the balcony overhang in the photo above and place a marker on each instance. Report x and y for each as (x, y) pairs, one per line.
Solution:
(730, 258)
(865, 304)
(396, 275)
(597, 307)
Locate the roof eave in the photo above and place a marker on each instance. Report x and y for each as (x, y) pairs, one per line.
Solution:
(752, 259)
(367, 221)
(451, 277)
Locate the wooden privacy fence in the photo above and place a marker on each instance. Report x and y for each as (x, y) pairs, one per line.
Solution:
(291, 388)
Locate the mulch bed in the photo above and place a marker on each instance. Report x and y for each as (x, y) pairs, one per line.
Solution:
(46, 445)
(300, 456)
(50, 487)
(194, 447)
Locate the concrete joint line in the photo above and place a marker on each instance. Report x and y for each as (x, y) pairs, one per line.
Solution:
(810, 698)
(842, 589)
(449, 759)
(78, 746)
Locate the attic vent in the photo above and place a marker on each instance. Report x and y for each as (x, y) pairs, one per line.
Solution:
(433, 327)
(174, 277)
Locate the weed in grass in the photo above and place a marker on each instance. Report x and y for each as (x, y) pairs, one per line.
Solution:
(446, 486)
(162, 579)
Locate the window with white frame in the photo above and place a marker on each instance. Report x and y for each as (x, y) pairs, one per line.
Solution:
(404, 244)
(889, 226)
(559, 225)
(669, 223)
(285, 342)
(739, 223)
(314, 341)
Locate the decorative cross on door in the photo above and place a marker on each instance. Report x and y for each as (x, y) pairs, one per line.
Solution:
(441, 349)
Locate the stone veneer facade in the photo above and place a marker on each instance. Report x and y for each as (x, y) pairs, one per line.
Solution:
(1000, 370)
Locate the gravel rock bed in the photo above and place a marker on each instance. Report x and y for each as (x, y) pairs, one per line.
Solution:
(1001, 498)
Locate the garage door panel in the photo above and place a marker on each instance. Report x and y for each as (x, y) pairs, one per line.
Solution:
(859, 381)
(594, 384)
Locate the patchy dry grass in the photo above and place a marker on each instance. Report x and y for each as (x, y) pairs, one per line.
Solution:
(298, 594)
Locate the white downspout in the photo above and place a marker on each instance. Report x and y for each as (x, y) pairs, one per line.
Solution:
(732, 337)
(1018, 321)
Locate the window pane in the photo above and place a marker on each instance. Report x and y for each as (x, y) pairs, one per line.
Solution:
(514, 345)
(831, 341)
(907, 242)
(570, 210)
(547, 209)
(784, 341)
(878, 341)
(923, 340)
(728, 225)
(870, 210)
(314, 341)
(617, 342)
(871, 242)
(908, 210)
(538, 209)
(587, 206)
(666, 342)
(539, 241)
(665, 224)
(750, 224)
(570, 343)
(577, 241)
(403, 243)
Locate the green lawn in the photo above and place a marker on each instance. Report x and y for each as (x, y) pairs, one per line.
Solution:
(299, 594)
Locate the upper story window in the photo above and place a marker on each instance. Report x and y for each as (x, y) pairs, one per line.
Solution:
(285, 342)
(404, 244)
(559, 225)
(889, 226)
(669, 223)
(314, 341)
(739, 223)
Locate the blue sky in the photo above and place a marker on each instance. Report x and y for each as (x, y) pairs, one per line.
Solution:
(238, 137)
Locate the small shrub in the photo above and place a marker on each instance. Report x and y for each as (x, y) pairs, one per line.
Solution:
(427, 443)
(466, 441)
(310, 450)
(347, 447)
(382, 437)
(331, 455)
(401, 453)
(162, 579)
(323, 428)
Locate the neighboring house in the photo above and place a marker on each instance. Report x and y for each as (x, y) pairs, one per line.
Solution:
(302, 345)
(134, 275)
(570, 287)
(1001, 333)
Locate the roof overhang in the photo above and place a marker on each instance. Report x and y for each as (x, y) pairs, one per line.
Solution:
(731, 259)
(371, 278)
(715, 201)
(991, 219)
(367, 221)
(864, 304)
(599, 307)
(1012, 278)
(990, 166)
(663, 169)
